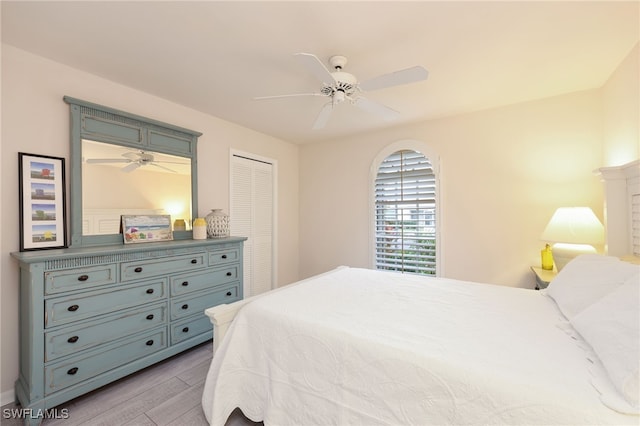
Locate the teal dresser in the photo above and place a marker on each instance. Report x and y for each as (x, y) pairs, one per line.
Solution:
(91, 315)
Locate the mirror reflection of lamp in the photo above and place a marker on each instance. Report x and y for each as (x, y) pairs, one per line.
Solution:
(176, 210)
(574, 230)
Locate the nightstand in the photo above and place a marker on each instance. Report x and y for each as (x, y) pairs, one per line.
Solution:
(543, 276)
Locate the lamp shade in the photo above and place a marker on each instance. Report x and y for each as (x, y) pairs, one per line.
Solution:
(575, 225)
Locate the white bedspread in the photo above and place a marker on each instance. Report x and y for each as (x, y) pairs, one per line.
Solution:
(362, 347)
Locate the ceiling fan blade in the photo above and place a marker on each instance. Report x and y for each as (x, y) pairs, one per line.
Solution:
(130, 167)
(132, 155)
(316, 67)
(409, 75)
(163, 167)
(380, 110)
(106, 160)
(287, 96)
(172, 162)
(323, 117)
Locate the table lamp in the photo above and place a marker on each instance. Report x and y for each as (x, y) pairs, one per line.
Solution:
(574, 230)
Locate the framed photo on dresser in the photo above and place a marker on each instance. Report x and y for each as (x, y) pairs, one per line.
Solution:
(146, 228)
(43, 222)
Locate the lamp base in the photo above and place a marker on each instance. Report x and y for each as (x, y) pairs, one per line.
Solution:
(564, 252)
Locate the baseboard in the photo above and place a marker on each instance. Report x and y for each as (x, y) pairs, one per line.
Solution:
(8, 397)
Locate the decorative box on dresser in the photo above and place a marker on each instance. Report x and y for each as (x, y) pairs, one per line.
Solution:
(91, 315)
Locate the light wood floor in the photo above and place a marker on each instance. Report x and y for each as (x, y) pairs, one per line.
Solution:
(168, 393)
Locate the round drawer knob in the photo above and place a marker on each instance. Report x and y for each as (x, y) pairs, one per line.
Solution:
(73, 308)
(149, 342)
(229, 293)
(150, 291)
(185, 283)
(185, 330)
(72, 339)
(194, 261)
(224, 256)
(72, 371)
(83, 277)
(229, 274)
(150, 316)
(185, 306)
(138, 269)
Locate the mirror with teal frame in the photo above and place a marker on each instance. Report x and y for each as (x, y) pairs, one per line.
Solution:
(122, 163)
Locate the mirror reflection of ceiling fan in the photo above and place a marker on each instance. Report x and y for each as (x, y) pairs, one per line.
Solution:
(339, 86)
(135, 160)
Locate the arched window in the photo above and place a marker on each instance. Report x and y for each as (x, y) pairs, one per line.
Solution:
(405, 214)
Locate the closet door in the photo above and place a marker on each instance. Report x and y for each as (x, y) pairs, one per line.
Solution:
(252, 216)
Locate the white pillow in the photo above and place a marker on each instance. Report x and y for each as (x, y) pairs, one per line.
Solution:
(586, 279)
(612, 327)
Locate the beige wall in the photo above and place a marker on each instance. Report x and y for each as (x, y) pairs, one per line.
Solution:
(36, 120)
(143, 188)
(503, 172)
(622, 112)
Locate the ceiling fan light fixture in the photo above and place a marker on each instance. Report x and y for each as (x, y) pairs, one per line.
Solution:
(345, 78)
(339, 85)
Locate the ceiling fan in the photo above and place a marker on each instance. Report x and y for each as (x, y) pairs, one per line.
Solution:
(134, 160)
(340, 86)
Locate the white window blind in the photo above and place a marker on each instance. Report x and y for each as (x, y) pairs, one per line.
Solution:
(405, 214)
(251, 216)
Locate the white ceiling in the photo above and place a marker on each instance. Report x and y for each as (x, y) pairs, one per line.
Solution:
(216, 56)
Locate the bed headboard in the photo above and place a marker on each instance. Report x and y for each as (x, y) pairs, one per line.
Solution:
(622, 209)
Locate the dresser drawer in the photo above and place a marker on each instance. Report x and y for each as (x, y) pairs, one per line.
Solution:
(69, 372)
(148, 268)
(188, 329)
(62, 310)
(69, 340)
(73, 279)
(198, 302)
(183, 284)
(222, 257)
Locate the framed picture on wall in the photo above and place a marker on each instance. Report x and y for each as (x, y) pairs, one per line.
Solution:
(43, 223)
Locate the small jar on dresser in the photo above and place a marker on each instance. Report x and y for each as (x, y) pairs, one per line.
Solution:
(91, 315)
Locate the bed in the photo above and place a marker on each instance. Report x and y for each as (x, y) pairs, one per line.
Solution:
(361, 347)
